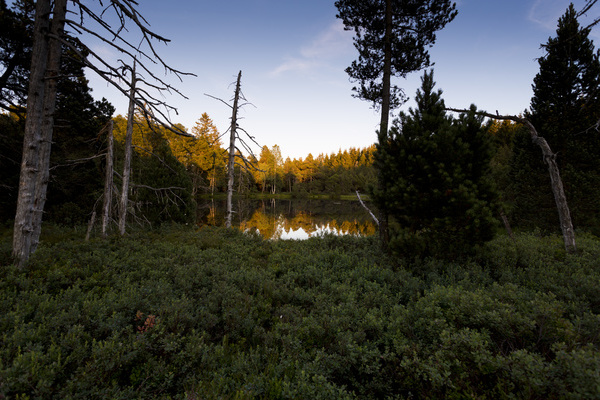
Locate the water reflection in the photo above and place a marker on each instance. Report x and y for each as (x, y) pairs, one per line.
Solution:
(291, 219)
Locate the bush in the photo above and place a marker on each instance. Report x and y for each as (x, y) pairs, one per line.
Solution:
(214, 313)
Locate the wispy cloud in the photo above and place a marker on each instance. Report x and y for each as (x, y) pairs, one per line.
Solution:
(547, 12)
(330, 44)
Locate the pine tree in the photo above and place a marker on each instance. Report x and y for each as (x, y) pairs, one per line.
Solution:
(392, 39)
(435, 170)
(564, 107)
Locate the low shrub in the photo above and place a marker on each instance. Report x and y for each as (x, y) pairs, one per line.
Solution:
(212, 313)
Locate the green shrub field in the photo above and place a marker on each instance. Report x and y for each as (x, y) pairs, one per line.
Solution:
(182, 313)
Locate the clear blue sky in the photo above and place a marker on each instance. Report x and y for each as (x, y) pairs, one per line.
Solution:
(293, 54)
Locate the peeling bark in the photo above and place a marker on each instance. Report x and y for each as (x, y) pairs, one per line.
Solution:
(39, 126)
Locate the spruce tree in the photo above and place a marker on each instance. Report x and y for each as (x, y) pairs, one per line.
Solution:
(435, 170)
(564, 108)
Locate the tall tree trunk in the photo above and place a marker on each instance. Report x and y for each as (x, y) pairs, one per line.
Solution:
(385, 113)
(108, 180)
(127, 162)
(231, 164)
(39, 126)
(387, 73)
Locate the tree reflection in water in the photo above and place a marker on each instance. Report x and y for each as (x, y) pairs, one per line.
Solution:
(291, 219)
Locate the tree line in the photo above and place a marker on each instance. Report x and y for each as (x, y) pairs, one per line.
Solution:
(205, 159)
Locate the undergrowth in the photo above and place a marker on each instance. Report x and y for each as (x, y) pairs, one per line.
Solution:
(216, 314)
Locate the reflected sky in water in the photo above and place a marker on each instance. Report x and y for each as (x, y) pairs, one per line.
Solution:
(291, 219)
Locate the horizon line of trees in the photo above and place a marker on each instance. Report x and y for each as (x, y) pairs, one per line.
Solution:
(205, 159)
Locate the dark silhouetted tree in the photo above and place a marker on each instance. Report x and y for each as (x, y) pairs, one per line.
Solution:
(437, 190)
(564, 109)
(392, 39)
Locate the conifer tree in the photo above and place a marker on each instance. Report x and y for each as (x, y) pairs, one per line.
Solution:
(436, 189)
(565, 104)
(392, 38)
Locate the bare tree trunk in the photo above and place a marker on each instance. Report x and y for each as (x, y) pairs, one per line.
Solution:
(231, 165)
(108, 180)
(90, 226)
(507, 225)
(385, 112)
(127, 162)
(39, 126)
(564, 215)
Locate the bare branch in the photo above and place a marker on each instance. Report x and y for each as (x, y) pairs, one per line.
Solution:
(154, 155)
(585, 10)
(221, 100)
(158, 189)
(149, 105)
(78, 161)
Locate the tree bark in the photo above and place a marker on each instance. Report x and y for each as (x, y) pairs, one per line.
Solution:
(231, 164)
(108, 180)
(39, 126)
(385, 112)
(564, 215)
(127, 162)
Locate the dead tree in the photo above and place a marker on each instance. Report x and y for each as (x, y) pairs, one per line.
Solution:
(39, 126)
(564, 215)
(127, 159)
(231, 161)
(234, 151)
(108, 181)
(49, 38)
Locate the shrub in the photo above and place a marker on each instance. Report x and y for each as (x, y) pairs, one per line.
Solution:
(214, 313)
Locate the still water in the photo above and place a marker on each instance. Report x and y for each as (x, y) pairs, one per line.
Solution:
(290, 219)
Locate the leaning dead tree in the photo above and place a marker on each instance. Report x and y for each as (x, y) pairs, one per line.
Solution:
(56, 29)
(564, 215)
(234, 151)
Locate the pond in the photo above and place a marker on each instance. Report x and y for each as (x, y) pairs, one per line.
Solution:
(290, 219)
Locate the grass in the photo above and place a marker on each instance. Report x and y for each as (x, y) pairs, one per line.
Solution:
(216, 314)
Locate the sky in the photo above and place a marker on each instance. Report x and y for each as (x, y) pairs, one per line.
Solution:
(293, 54)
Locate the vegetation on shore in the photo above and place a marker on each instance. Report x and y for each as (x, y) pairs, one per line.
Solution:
(215, 313)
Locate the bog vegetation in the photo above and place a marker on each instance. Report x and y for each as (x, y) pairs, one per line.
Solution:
(214, 313)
